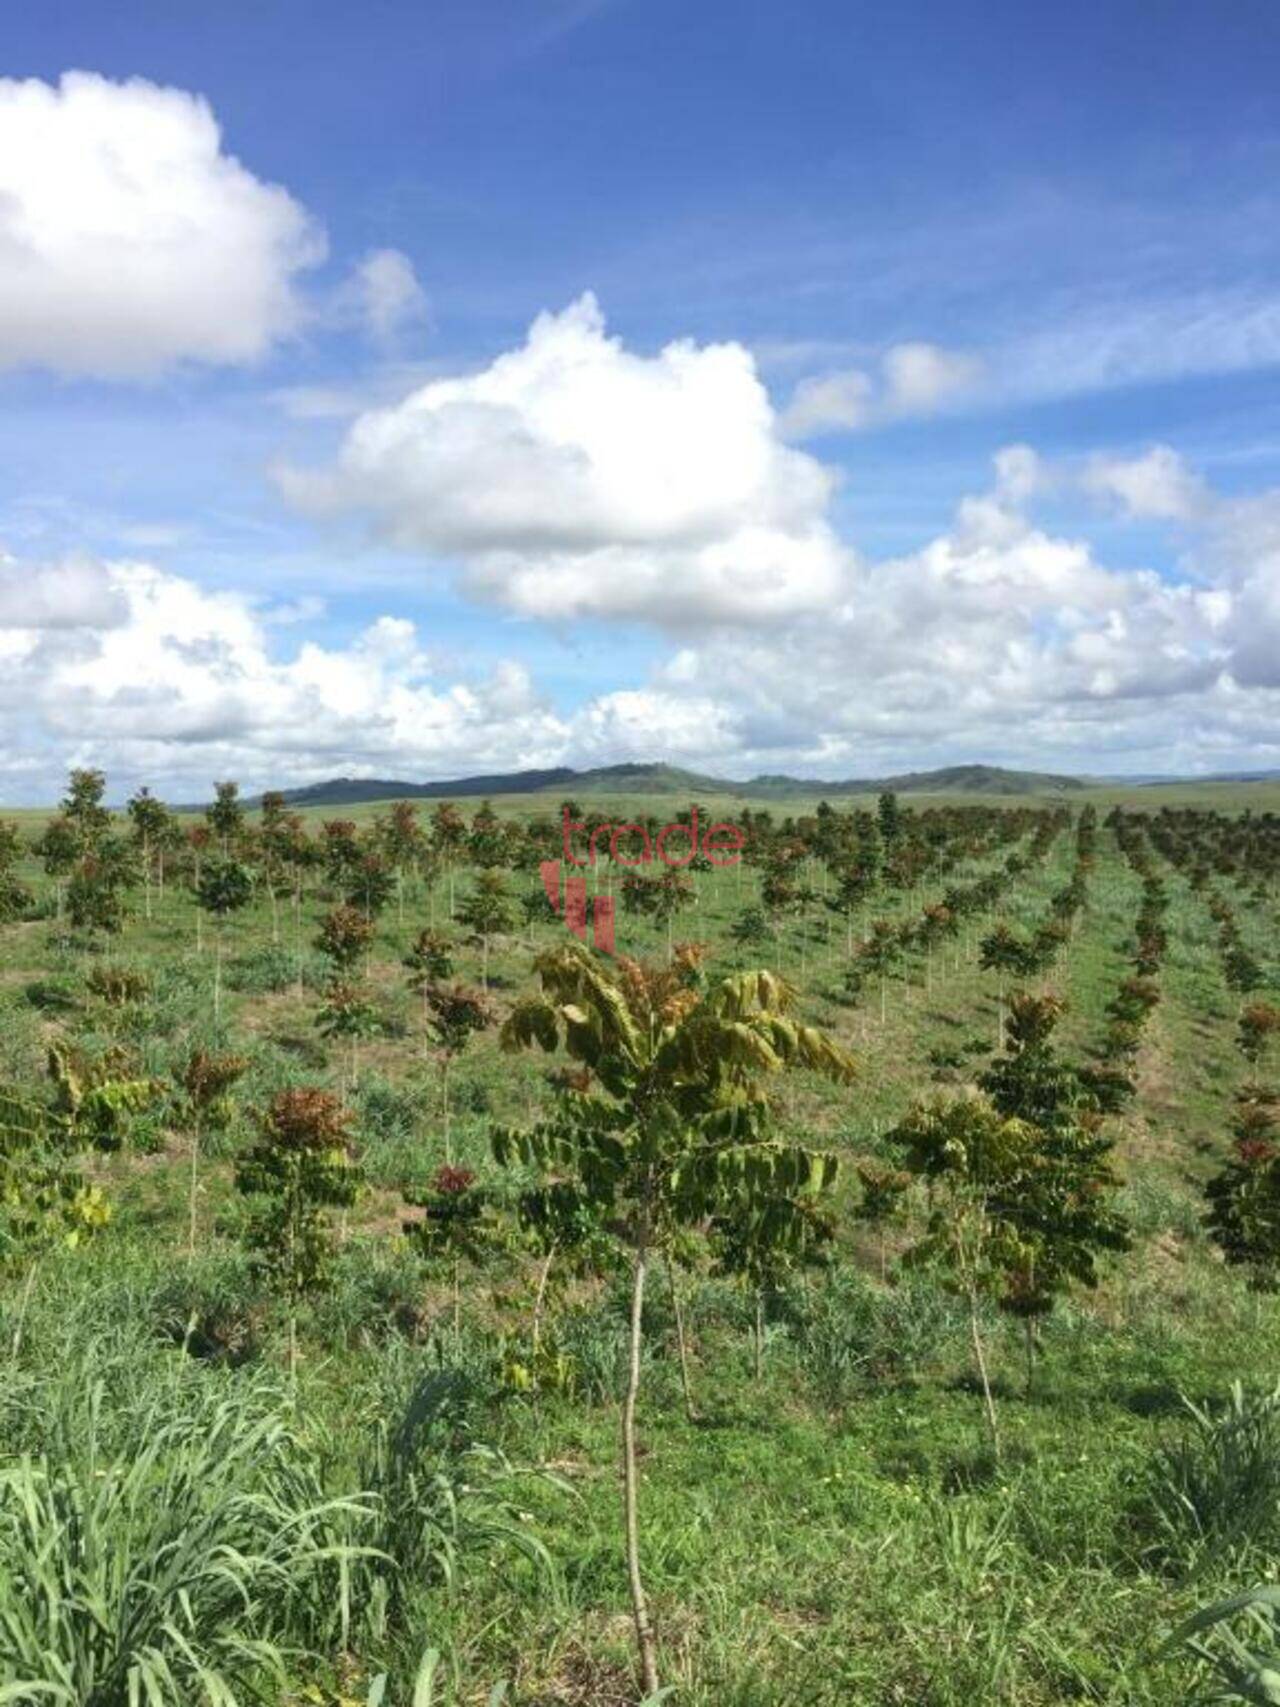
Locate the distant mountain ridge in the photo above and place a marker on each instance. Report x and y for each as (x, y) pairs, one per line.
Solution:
(670, 779)
(951, 779)
(356, 791)
(1218, 776)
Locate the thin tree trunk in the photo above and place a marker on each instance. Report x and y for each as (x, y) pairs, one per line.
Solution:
(758, 1334)
(645, 1645)
(27, 1287)
(448, 1140)
(291, 1247)
(980, 1359)
(191, 1193)
(682, 1344)
(539, 1305)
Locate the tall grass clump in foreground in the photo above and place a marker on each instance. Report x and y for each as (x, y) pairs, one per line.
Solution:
(1214, 1490)
(436, 1494)
(163, 1537)
(173, 1533)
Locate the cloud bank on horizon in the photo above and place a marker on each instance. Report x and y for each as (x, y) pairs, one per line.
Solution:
(657, 509)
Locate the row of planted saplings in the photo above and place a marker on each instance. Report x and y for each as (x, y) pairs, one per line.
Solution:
(888, 856)
(889, 944)
(1020, 955)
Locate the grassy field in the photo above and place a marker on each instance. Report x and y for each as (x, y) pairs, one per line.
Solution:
(833, 1528)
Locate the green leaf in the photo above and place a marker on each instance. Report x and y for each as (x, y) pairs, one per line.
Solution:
(424, 1684)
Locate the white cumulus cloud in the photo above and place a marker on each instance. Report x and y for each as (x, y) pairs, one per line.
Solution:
(77, 593)
(841, 401)
(129, 240)
(573, 477)
(920, 377)
(913, 379)
(1156, 486)
(385, 293)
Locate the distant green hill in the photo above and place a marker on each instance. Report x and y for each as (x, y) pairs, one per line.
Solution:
(356, 791)
(670, 779)
(651, 779)
(954, 779)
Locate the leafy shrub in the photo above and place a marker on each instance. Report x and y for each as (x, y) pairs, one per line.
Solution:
(850, 1331)
(386, 1113)
(117, 985)
(394, 1129)
(947, 1061)
(270, 968)
(210, 1308)
(474, 1097)
(592, 1341)
(377, 1295)
(51, 995)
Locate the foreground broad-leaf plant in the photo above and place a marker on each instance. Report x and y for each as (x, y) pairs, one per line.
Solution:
(45, 1201)
(669, 1126)
(1241, 1667)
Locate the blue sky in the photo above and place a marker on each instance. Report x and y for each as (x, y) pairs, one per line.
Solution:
(926, 234)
